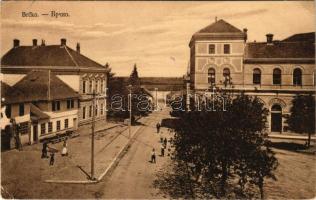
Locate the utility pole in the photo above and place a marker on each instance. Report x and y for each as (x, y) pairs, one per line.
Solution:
(130, 110)
(92, 136)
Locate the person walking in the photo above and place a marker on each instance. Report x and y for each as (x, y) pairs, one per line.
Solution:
(158, 125)
(52, 158)
(64, 151)
(153, 156)
(162, 148)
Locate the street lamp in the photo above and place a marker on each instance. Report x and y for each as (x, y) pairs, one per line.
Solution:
(129, 87)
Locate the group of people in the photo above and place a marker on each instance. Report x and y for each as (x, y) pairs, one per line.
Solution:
(64, 152)
(163, 145)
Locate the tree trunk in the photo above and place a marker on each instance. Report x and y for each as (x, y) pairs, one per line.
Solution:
(261, 187)
(190, 181)
(224, 177)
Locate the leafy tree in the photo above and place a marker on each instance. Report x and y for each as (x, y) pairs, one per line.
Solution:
(302, 117)
(221, 143)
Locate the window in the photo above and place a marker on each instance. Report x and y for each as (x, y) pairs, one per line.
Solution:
(58, 125)
(276, 108)
(24, 128)
(276, 76)
(50, 127)
(211, 75)
(21, 109)
(72, 103)
(101, 109)
(96, 110)
(226, 49)
(297, 76)
(96, 86)
(8, 111)
(211, 49)
(256, 76)
(66, 123)
(90, 111)
(55, 105)
(90, 86)
(226, 74)
(101, 86)
(68, 103)
(43, 128)
(83, 112)
(83, 86)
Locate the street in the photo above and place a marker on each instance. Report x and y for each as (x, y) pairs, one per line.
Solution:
(134, 175)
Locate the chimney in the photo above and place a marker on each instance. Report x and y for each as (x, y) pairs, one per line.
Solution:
(245, 34)
(63, 42)
(78, 47)
(269, 39)
(34, 42)
(16, 43)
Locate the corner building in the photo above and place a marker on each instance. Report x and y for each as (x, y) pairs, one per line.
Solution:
(275, 71)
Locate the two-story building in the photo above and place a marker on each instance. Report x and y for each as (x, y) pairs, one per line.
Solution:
(80, 73)
(41, 104)
(275, 71)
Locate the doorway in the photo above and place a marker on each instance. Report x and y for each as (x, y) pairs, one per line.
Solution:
(276, 118)
(35, 133)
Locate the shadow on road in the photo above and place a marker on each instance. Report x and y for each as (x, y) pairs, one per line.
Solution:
(289, 146)
(169, 122)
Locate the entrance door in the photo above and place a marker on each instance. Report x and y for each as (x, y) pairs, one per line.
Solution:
(35, 133)
(75, 123)
(276, 118)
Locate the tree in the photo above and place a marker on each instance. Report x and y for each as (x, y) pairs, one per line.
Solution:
(138, 96)
(302, 117)
(222, 143)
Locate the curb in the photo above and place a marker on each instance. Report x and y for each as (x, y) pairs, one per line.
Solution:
(120, 153)
(289, 137)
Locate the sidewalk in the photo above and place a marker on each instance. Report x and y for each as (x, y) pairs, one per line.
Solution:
(76, 168)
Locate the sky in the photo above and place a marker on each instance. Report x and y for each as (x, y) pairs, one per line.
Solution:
(154, 35)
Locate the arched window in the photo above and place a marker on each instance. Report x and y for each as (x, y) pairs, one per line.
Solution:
(211, 75)
(256, 76)
(226, 74)
(297, 76)
(276, 76)
(276, 108)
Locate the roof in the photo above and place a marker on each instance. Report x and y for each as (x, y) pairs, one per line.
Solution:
(301, 37)
(50, 55)
(35, 87)
(219, 30)
(286, 52)
(220, 26)
(9, 94)
(37, 114)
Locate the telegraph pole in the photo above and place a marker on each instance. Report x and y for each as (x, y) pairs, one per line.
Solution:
(130, 111)
(92, 136)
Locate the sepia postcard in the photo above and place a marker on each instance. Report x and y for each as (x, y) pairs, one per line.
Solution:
(158, 100)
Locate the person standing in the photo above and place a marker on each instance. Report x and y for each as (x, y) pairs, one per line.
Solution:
(165, 142)
(162, 148)
(158, 127)
(44, 150)
(52, 158)
(153, 156)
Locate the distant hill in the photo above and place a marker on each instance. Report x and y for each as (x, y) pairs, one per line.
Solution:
(150, 83)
